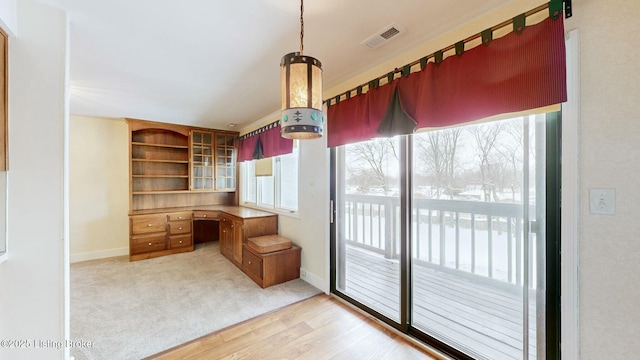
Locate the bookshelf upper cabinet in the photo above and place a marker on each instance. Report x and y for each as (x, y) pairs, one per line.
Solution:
(170, 164)
(225, 162)
(202, 160)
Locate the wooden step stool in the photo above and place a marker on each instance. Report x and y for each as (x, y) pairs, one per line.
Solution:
(270, 260)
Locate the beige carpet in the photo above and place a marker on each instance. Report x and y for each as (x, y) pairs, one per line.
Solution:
(130, 310)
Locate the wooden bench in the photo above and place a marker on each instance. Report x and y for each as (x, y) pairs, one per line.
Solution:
(271, 259)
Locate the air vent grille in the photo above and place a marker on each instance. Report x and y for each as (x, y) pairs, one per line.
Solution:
(389, 33)
(383, 36)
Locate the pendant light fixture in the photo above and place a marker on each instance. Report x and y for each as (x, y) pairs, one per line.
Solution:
(301, 85)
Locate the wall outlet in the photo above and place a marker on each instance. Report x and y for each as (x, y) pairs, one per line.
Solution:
(602, 201)
(303, 273)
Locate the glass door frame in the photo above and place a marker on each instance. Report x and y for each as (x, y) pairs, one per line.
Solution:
(552, 227)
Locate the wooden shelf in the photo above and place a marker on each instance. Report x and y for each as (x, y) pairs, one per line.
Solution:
(160, 145)
(160, 176)
(162, 161)
(176, 192)
(160, 192)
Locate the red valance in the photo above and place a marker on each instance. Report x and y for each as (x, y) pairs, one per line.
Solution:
(263, 143)
(513, 73)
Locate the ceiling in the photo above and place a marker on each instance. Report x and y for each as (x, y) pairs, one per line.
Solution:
(211, 63)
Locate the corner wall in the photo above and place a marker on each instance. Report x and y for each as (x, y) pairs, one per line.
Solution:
(99, 188)
(34, 289)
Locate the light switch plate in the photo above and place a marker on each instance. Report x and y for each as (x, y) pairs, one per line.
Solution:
(602, 201)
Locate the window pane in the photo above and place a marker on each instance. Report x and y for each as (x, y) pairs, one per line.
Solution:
(368, 214)
(288, 184)
(249, 179)
(475, 192)
(265, 183)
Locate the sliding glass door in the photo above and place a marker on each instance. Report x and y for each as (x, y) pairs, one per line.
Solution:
(368, 191)
(475, 269)
(442, 234)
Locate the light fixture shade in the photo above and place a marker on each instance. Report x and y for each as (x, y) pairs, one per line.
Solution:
(301, 80)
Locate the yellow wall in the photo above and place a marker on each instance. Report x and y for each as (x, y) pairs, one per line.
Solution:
(99, 188)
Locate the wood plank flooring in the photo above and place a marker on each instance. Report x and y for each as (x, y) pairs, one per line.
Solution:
(483, 321)
(321, 327)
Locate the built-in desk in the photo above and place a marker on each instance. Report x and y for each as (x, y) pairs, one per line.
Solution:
(159, 232)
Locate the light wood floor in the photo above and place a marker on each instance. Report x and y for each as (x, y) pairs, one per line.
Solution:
(321, 327)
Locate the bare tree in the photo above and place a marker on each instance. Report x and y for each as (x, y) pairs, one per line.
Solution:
(437, 150)
(486, 138)
(511, 151)
(374, 154)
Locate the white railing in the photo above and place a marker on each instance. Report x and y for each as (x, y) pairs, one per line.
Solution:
(477, 238)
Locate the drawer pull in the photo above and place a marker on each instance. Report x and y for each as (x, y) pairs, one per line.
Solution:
(149, 225)
(249, 262)
(150, 244)
(180, 228)
(205, 215)
(180, 241)
(231, 225)
(179, 217)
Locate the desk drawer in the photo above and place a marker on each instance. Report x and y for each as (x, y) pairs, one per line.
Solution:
(205, 215)
(252, 263)
(148, 224)
(180, 227)
(177, 241)
(143, 244)
(179, 216)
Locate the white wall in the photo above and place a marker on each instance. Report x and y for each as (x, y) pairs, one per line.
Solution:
(32, 300)
(8, 16)
(8, 24)
(609, 153)
(310, 231)
(99, 188)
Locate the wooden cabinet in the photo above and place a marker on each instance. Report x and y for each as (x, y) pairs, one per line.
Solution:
(179, 229)
(231, 238)
(235, 229)
(148, 234)
(202, 160)
(159, 234)
(225, 177)
(271, 268)
(177, 166)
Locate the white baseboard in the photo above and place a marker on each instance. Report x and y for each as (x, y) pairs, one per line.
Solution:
(94, 255)
(311, 279)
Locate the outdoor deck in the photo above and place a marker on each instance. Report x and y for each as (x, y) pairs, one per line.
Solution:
(485, 321)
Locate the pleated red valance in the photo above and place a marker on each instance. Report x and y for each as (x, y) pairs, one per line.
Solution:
(516, 72)
(263, 143)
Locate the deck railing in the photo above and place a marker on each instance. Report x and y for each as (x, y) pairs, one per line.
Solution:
(468, 237)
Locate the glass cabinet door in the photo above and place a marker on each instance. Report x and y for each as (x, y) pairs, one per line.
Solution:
(201, 160)
(225, 162)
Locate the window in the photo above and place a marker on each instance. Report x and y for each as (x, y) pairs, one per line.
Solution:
(276, 192)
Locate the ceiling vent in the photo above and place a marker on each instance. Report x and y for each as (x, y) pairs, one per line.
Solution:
(383, 36)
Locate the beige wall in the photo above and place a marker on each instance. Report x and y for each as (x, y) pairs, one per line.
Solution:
(609, 152)
(99, 188)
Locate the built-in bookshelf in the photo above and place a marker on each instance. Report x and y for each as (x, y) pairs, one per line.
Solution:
(170, 164)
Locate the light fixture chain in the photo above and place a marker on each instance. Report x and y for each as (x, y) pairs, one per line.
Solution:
(301, 26)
